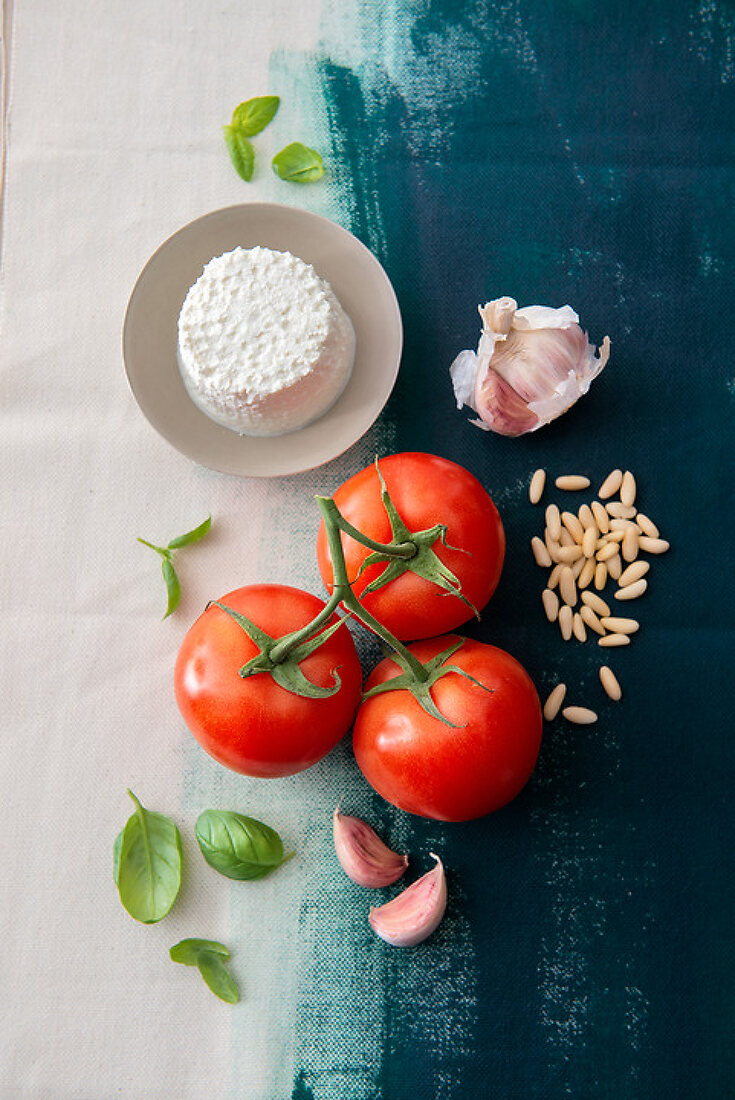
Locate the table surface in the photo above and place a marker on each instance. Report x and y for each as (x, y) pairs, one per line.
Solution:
(573, 151)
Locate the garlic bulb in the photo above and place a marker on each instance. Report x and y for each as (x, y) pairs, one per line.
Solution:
(531, 365)
(411, 917)
(363, 855)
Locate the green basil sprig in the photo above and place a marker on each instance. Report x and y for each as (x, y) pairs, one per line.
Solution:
(248, 119)
(208, 956)
(241, 152)
(237, 846)
(173, 587)
(146, 864)
(297, 163)
(253, 115)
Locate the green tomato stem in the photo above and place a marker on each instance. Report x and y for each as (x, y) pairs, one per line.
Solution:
(342, 593)
(280, 651)
(404, 550)
(333, 522)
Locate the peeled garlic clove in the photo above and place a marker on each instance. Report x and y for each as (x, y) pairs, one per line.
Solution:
(363, 855)
(412, 916)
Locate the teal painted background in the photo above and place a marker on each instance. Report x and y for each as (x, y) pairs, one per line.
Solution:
(579, 152)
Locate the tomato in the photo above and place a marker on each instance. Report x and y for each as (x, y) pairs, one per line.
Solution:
(254, 725)
(426, 490)
(428, 768)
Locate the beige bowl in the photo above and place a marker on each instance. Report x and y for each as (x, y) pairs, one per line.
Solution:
(150, 338)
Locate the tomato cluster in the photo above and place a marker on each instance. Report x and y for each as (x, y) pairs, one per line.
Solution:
(463, 745)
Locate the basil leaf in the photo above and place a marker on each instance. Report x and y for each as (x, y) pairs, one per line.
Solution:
(237, 846)
(191, 536)
(298, 163)
(172, 586)
(187, 951)
(241, 152)
(253, 115)
(116, 849)
(147, 864)
(207, 955)
(218, 977)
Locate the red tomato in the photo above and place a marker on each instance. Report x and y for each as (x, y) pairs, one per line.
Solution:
(254, 725)
(452, 774)
(426, 490)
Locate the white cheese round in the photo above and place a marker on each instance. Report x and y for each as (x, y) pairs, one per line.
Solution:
(264, 345)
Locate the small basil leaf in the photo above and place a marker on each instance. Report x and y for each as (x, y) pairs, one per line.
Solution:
(116, 848)
(241, 152)
(147, 864)
(172, 586)
(218, 977)
(298, 163)
(187, 951)
(237, 846)
(253, 115)
(191, 536)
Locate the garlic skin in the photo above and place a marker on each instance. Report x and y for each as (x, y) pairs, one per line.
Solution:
(411, 917)
(531, 365)
(363, 855)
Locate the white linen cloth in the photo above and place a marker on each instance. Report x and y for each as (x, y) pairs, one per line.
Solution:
(114, 140)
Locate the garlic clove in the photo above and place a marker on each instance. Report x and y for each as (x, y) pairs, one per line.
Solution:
(531, 365)
(411, 917)
(363, 855)
(501, 409)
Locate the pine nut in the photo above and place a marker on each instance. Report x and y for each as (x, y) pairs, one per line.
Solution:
(589, 542)
(578, 566)
(609, 681)
(620, 626)
(630, 545)
(628, 489)
(550, 601)
(540, 553)
(619, 524)
(632, 591)
(569, 554)
(633, 573)
(567, 587)
(620, 511)
(578, 628)
(573, 526)
(587, 574)
(590, 619)
(565, 622)
(536, 488)
(653, 546)
(615, 536)
(553, 522)
(566, 538)
(551, 546)
(600, 576)
(597, 604)
(614, 567)
(580, 716)
(572, 482)
(647, 526)
(609, 550)
(602, 518)
(554, 701)
(585, 516)
(611, 640)
(611, 484)
(554, 575)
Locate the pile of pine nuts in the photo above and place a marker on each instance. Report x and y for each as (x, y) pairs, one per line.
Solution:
(598, 543)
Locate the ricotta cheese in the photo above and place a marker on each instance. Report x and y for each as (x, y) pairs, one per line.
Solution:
(264, 346)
